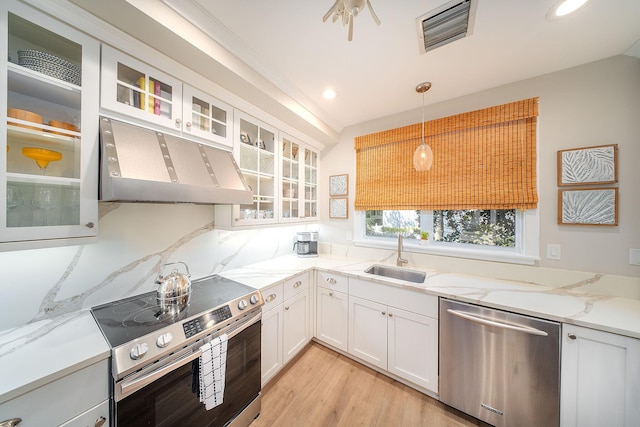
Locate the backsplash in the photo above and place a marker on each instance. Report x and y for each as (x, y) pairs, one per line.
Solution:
(135, 241)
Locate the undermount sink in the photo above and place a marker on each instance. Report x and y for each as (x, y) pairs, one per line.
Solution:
(397, 273)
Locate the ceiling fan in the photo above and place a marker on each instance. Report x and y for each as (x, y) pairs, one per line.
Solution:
(347, 10)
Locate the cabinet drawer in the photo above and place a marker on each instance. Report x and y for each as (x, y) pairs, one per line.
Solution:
(272, 297)
(61, 400)
(295, 285)
(333, 281)
(414, 301)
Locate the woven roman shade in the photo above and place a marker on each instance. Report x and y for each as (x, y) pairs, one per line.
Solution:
(484, 159)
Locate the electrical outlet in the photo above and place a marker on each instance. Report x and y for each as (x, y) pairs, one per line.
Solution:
(553, 251)
(634, 256)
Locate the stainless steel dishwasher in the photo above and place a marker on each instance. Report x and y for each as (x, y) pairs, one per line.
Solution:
(502, 368)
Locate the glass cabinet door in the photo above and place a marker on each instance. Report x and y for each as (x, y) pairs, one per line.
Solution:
(47, 194)
(257, 161)
(290, 180)
(133, 88)
(207, 117)
(310, 184)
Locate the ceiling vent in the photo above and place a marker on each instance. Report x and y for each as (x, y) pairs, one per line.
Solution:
(445, 24)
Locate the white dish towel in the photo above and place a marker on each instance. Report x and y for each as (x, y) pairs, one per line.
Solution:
(213, 364)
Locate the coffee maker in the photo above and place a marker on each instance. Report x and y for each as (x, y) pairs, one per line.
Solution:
(306, 244)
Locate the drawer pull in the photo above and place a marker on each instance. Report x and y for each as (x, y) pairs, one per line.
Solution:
(270, 298)
(100, 421)
(10, 422)
(297, 284)
(331, 281)
(572, 336)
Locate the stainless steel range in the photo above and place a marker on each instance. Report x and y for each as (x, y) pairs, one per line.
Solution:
(155, 355)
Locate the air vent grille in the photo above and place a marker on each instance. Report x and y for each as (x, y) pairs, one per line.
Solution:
(451, 21)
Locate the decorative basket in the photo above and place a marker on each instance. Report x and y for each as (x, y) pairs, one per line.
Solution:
(50, 65)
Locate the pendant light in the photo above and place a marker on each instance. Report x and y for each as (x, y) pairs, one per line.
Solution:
(423, 156)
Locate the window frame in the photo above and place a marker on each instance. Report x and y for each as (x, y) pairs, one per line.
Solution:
(525, 252)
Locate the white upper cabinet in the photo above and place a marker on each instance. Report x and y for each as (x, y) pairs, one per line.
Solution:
(133, 89)
(298, 181)
(49, 146)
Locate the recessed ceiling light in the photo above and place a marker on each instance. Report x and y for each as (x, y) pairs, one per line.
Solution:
(329, 93)
(563, 8)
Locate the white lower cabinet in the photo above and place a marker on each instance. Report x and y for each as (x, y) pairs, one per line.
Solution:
(296, 317)
(332, 317)
(285, 323)
(78, 399)
(600, 379)
(394, 329)
(271, 357)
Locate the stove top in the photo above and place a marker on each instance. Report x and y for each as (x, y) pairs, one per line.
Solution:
(127, 320)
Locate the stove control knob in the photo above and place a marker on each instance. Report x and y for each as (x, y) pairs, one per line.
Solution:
(164, 340)
(138, 351)
(242, 304)
(254, 299)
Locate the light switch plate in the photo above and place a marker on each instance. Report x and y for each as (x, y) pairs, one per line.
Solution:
(553, 251)
(634, 256)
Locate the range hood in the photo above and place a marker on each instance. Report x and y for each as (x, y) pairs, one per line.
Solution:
(144, 165)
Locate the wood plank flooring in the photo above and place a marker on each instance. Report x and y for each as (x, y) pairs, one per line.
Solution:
(323, 388)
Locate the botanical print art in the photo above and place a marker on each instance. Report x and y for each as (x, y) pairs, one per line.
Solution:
(590, 165)
(589, 207)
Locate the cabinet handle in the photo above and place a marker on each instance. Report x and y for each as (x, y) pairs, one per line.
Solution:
(178, 121)
(286, 308)
(188, 125)
(88, 225)
(390, 314)
(10, 422)
(384, 313)
(271, 298)
(571, 336)
(297, 284)
(330, 294)
(331, 281)
(100, 421)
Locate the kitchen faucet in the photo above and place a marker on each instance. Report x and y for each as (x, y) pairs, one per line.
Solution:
(400, 261)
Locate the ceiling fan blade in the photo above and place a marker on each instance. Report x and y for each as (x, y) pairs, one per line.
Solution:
(350, 27)
(373, 14)
(331, 10)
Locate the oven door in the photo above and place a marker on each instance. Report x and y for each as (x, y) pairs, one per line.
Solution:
(172, 399)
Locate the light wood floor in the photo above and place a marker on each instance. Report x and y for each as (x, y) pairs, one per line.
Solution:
(325, 389)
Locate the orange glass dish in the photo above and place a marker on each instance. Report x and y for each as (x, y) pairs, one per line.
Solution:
(41, 156)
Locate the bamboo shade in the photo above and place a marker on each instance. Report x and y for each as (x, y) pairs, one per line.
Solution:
(484, 159)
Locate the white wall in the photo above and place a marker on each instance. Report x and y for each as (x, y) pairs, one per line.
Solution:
(592, 104)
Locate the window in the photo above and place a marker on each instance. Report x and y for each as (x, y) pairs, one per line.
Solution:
(472, 227)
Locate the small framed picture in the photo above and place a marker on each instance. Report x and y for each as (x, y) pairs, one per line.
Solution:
(338, 208)
(588, 206)
(588, 165)
(338, 185)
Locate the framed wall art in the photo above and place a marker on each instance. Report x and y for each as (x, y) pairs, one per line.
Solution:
(588, 165)
(338, 185)
(338, 208)
(588, 206)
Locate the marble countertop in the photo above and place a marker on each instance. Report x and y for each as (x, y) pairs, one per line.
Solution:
(38, 353)
(567, 303)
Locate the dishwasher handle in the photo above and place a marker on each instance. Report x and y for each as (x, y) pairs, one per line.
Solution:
(483, 321)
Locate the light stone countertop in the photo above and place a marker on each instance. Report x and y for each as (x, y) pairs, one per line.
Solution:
(37, 353)
(566, 304)
(41, 352)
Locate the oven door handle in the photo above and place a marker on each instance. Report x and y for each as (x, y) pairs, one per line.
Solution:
(131, 386)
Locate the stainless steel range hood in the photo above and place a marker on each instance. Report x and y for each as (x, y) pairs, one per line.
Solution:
(144, 165)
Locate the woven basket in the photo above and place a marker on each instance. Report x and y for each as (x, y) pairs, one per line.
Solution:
(50, 65)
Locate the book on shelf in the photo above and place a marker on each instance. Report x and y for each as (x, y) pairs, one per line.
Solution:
(157, 91)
